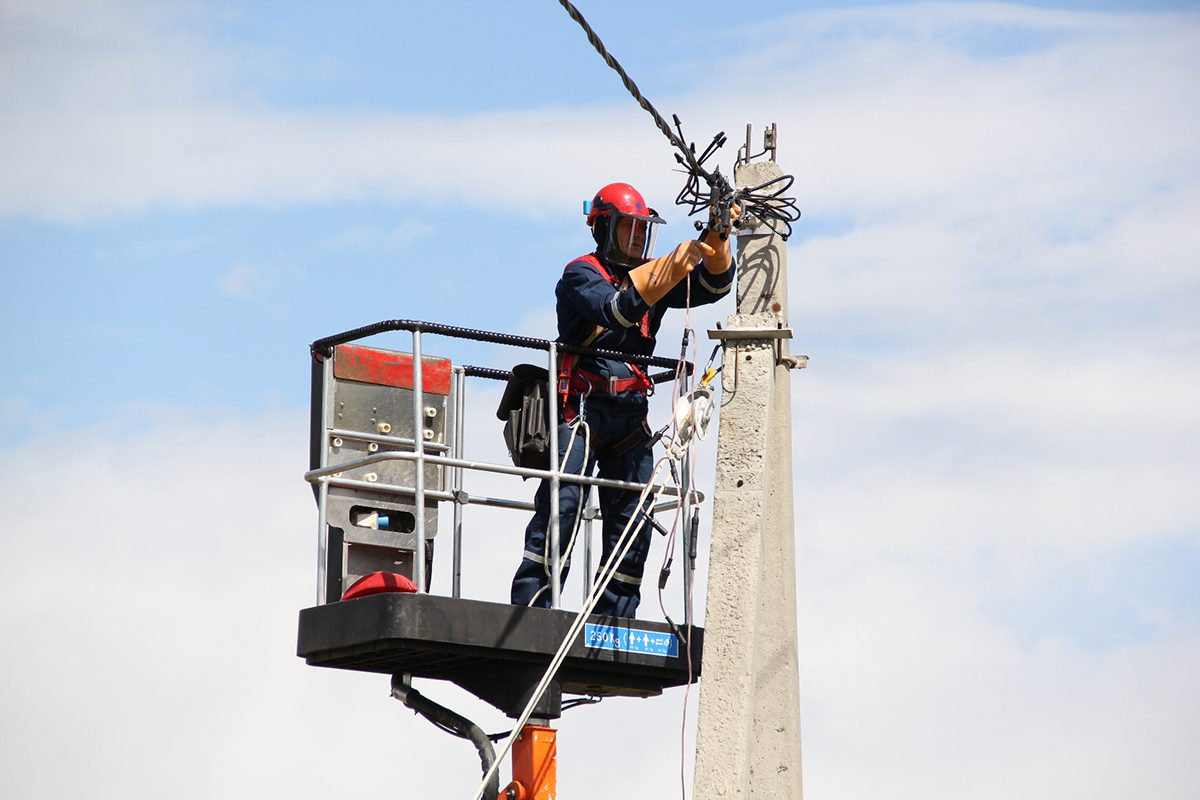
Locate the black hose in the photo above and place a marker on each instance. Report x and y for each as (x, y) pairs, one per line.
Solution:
(324, 346)
(453, 723)
(505, 375)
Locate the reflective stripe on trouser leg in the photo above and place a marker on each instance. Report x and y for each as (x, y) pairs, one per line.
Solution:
(623, 593)
(532, 574)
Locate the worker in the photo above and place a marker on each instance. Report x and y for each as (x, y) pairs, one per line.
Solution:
(614, 299)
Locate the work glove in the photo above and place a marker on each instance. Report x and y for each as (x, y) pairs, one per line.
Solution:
(721, 259)
(735, 213)
(657, 277)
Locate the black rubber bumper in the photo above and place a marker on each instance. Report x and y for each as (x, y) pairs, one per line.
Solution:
(497, 651)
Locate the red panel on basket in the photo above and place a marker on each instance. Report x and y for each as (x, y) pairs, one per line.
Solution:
(388, 368)
(379, 583)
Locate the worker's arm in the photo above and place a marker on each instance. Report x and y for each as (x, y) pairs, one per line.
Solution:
(722, 258)
(701, 287)
(592, 298)
(658, 276)
(655, 279)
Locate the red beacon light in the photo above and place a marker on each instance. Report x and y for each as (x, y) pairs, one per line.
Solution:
(379, 583)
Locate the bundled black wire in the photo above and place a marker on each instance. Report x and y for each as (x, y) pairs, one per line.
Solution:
(766, 202)
(704, 190)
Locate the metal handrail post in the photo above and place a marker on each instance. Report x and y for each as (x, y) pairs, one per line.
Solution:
(456, 447)
(419, 448)
(589, 516)
(322, 540)
(552, 532)
(323, 489)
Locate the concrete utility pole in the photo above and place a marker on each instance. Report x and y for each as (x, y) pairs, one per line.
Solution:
(748, 730)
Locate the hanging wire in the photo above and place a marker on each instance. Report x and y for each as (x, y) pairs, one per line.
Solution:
(609, 568)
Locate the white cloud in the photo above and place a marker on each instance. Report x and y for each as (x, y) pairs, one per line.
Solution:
(909, 692)
(362, 236)
(1006, 452)
(121, 109)
(244, 281)
(996, 278)
(895, 115)
(151, 618)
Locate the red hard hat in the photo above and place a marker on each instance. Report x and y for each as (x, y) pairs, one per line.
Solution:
(621, 198)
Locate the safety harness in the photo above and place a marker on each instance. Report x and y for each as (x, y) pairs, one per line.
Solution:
(572, 379)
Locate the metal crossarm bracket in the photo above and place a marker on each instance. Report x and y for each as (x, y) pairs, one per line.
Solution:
(725, 334)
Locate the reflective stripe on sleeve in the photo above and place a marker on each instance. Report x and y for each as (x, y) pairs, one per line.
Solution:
(710, 287)
(616, 313)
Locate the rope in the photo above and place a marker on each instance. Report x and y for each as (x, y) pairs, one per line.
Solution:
(607, 571)
(565, 555)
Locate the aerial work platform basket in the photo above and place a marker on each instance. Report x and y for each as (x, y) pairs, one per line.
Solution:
(386, 452)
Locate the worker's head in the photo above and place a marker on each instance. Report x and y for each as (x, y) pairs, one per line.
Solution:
(623, 225)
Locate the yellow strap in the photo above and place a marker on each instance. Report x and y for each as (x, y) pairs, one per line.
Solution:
(594, 336)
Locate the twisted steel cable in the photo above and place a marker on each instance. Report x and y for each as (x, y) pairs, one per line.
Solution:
(612, 62)
(766, 202)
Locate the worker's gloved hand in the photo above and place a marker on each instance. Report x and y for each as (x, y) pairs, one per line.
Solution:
(657, 277)
(721, 259)
(735, 213)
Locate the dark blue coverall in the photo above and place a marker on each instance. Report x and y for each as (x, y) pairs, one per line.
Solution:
(586, 299)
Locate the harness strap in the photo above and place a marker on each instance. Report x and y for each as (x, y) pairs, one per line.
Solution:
(607, 450)
(644, 324)
(584, 382)
(570, 379)
(628, 442)
(566, 368)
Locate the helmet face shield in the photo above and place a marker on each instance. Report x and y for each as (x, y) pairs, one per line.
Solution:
(634, 236)
(630, 238)
(623, 225)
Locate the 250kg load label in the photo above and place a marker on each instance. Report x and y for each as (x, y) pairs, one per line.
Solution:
(630, 640)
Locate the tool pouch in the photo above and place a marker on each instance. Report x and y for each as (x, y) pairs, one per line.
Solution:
(526, 415)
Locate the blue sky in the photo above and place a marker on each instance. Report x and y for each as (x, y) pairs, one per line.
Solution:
(996, 278)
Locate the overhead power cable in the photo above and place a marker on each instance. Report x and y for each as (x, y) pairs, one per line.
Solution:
(765, 203)
(629, 84)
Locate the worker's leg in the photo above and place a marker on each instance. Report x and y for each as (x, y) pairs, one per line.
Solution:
(623, 593)
(531, 583)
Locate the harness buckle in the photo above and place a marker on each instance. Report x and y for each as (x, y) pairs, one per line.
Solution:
(612, 384)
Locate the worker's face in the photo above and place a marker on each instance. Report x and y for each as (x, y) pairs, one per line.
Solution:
(631, 236)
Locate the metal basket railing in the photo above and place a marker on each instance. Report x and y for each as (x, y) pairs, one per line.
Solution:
(327, 475)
